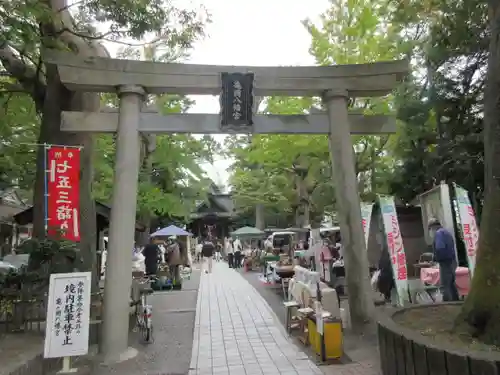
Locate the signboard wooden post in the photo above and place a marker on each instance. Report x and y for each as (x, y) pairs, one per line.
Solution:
(236, 102)
(68, 317)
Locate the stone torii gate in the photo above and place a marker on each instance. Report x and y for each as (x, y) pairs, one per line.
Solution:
(131, 80)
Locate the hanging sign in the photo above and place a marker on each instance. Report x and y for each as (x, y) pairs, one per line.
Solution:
(63, 192)
(68, 315)
(236, 101)
(395, 246)
(470, 232)
(366, 217)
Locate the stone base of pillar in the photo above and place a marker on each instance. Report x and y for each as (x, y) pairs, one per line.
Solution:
(122, 357)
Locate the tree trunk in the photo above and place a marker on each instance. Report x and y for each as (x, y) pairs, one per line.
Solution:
(306, 222)
(304, 202)
(481, 310)
(59, 99)
(260, 220)
(147, 169)
(297, 216)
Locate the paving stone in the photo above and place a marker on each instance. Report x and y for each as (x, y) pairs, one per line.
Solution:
(236, 332)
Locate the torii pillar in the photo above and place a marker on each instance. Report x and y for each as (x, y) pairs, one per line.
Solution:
(349, 206)
(124, 203)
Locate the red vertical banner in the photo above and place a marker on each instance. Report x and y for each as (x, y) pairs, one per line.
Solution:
(63, 189)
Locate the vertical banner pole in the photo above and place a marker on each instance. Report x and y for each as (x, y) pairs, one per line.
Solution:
(46, 188)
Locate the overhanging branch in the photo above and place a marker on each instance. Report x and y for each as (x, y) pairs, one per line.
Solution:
(26, 75)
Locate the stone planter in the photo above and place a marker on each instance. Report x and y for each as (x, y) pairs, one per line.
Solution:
(406, 352)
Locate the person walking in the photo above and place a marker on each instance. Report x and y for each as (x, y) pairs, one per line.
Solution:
(237, 247)
(445, 256)
(230, 252)
(218, 250)
(208, 253)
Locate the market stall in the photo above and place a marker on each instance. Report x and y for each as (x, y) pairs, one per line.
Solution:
(183, 237)
(249, 236)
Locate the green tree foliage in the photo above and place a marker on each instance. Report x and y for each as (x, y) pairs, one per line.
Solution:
(452, 125)
(19, 124)
(171, 179)
(29, 27)
(441, 107)
(293, 173)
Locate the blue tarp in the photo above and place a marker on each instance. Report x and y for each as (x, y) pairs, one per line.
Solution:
(171, 230)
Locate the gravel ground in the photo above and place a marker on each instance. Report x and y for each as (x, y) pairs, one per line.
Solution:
(173, 323)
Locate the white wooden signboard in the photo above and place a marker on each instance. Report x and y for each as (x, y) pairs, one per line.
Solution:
(68, 315)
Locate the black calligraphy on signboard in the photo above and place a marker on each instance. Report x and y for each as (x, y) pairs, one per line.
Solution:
(236, 101)
(58, 316)
(70, 291)
(79, 307)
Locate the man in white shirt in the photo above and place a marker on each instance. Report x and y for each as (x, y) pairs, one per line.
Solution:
(268, 244)
(198, 249)
(230, 252)
(237, 248)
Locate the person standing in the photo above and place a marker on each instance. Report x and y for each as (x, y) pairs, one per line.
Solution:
(268, 244)
(198, 249)
(230, 252)
(237, 247)
(207, 251)
(152, 256)
(385, 280)
(174, 260)
(218, 250)
(445, 256)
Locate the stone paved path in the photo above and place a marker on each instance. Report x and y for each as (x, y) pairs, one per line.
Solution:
(236, 332)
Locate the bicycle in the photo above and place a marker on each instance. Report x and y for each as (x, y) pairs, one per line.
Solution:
(144, 311)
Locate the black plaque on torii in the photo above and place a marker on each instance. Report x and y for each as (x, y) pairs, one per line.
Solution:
(236, 102)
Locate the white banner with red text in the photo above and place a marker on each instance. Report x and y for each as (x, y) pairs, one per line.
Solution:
(470, 231)
(395, 246)
(63, 192)
(366, 217)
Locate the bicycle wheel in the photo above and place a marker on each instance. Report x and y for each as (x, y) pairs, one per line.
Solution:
(147, 330)
(139, 316)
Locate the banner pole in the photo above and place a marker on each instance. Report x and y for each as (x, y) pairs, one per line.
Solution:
(46, 188)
